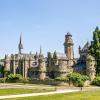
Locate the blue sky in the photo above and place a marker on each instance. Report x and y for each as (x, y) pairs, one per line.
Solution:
(45, 22)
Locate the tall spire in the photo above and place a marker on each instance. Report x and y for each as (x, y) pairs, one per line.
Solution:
(20, 44)
(40, 53)
(40, 49)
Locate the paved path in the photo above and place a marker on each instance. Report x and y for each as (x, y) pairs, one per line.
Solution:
(36, 94)
(58, 90)
(47, 87)
(26, 86)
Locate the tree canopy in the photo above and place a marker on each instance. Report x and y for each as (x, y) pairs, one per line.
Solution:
(95, 48)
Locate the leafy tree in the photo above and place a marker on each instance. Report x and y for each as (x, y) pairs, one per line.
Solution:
(95, 48)
(96, 81)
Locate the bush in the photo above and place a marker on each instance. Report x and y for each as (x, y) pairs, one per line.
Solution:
(77, 79)
(2, 80)
(13, 78)
(61, 79)
(17, 78)
(24, 80)
(80, 83)
(74, 78)
(96, 81)
(6, 73)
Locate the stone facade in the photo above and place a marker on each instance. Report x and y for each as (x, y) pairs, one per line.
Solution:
(91, 67)
(41, 67)
(19, 63)
(84, 52)
(68, 47)
(54, 65)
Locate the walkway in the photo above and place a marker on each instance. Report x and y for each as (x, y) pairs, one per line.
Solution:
(59, 90)
(26, 86)
(36, 94)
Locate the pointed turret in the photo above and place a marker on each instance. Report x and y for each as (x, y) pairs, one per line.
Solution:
(55, 55)
(55, 58)
(40, 54)
(36, 56)
(41, 66)
(49, 55)
(68, 46)
(79, 49)
(20, 46)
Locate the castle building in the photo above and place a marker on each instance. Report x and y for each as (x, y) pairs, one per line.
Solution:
(80, 65)
(20, 63)
(54, 65)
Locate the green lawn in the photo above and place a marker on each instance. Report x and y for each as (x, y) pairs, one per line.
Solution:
(12, 91)
(29, 84)
(86, 95)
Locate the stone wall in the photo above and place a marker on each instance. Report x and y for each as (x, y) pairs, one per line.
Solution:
(54, 82)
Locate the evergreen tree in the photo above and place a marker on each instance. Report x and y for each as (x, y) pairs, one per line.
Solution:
(95, 48)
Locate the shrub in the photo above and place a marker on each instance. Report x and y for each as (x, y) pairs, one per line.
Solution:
(13, 78)
(80, 83)
(2, 80)
(77, 79)
(61, 79)
(24, 80)
(6, 73)
(96, 81)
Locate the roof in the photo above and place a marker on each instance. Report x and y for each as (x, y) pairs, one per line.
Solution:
(86, 46)
(80, 65)
(68, 34)
(25, 55)
(60, 55)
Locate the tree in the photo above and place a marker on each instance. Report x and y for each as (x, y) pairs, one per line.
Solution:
(95, 48)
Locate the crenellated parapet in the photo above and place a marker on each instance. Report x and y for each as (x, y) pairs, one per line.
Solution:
(61, 71)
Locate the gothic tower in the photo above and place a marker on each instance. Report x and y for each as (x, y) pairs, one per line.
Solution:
(68, 48)
(7, 65)
(20, 46)
(90, 67)
(41, 66)
(13, 66)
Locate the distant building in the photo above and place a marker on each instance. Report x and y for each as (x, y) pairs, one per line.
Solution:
(54, 65)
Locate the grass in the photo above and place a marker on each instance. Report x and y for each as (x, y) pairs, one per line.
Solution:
(29, 84)
(13, 91)
(85, 95)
